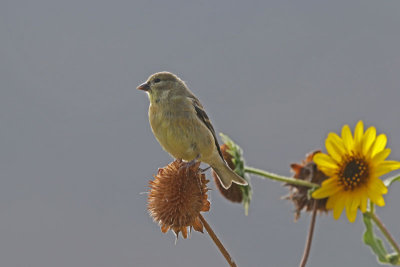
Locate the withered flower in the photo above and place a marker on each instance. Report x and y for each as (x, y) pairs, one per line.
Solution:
(306, 170)
(233, 155)
(177, 195)
(233, 193)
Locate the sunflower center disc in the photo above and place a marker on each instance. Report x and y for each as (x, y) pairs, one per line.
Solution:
(354, 172)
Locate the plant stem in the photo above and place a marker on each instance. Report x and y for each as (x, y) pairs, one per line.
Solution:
(280, 178)
(217, 242)
(385, 232)
(390, 180)
(310, 236)
(371, 207)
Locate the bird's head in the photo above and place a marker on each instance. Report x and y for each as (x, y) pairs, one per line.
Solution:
(162, 85)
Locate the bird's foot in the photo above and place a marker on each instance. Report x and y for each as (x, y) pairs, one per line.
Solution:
(189, 164)
(205, 169)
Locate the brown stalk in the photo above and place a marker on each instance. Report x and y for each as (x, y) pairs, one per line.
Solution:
(307, 248)
(217, 242)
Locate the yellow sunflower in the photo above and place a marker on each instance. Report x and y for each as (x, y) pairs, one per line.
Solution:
(354, 165)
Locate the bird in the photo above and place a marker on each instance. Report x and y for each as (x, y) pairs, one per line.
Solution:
(182, 127)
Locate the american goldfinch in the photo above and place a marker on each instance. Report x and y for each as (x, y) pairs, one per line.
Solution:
(182, 127)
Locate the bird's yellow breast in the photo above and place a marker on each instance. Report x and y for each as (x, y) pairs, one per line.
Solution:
(179, 131)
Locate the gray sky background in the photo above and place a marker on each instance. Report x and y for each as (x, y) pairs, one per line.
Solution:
(77, 150)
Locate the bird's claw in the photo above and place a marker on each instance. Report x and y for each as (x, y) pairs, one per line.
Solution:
(205, 169)
(189, 164)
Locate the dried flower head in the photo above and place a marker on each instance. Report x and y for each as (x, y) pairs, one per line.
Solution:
(306, 170)
(177, 196)
(233, 193)
(233, 156)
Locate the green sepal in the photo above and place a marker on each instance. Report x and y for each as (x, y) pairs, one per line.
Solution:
(372, 241)
(394, 259)
(310, 192)
(238, 160)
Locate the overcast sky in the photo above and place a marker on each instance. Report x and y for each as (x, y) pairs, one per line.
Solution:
(76, 148)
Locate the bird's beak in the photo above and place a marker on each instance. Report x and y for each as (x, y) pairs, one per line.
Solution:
(144, 86)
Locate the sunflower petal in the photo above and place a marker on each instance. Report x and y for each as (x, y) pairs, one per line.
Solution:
(333, 150)
(327, 171)
(347, 138)
(330, 204)
(379, 186)
(333, 137)
(327, 189)
(324, 160)
(356, 203)
(381, 156)
(330, 182)
(377, 199)
(358, 134)
(363, 203)
(351, 208)
(378, 145)
(339, 206)
(351, 214)
(386, 166)
(368, 139)
(375, 195)
(373, 192)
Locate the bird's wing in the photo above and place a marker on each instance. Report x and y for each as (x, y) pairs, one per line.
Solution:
(202, 115)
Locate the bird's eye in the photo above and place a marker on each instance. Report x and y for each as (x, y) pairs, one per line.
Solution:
(157, 80)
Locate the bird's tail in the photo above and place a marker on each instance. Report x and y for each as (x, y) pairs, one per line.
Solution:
(227, 176)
